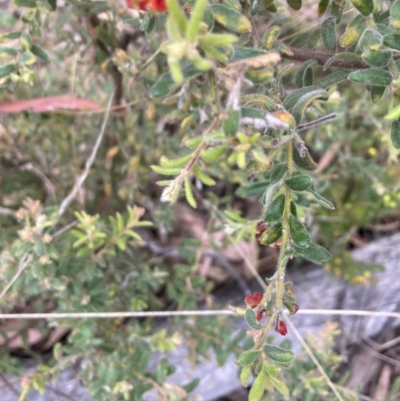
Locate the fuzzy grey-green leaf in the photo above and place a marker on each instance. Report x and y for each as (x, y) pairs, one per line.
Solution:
(247, 358)
(275, 210)
(299, 232)
(251, 319)
(365, 7)
(314, 253)
(392, 41)
(299, 182)
(257, 389)
(278, 354)
(371, 76)
(328, 33)
(301, 105)
(395, 134)
(278, 172)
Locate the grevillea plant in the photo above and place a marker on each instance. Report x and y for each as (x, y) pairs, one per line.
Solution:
(259, 109)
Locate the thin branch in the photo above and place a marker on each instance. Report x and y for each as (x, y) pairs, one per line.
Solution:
(81, 179)
(314, 359)
(321, 58)
(140, 314)
(24, 261)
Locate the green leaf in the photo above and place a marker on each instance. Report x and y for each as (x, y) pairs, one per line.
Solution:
(392, 40)
(189, 194)
(193, 25)
(231, 124)
(271, 369)
(214, 39)
(39, 52)
(176, 11)
(269, 37)
(371, 76)
(6, 70)
(189, 387)
(252, 189)
(8, 51)
(230, 18)
(25, 3)
(304, 76)
(299, 182)
(334, 78)
(337, 11)
(278, 172)
(377, 58)
(314, 253)
(370, 39)
(322, 7)
(243, 53)
(10, 36)
(328, 33)
(205, 179)
(353, 31)
(271, 234)
(247, 358)
(292, 98)
(211, 155)
(395, 15)
(365, 7)
(305, 163)
(165, 171)
(280, 386)
(299, 232)
(253, 113)
(377, 92)
(165, 84)
(342, 56)
(295, 4)
(314, 38)
(257, 389)
(258, 100)
(278, 354)
(301, 105)
(395, 134)
(251, 319)
(275, 210)
(321, 200)
(394, 113)
(176, 163)
(245, 375)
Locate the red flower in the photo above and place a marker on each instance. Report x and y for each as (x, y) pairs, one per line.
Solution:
(261, 227)
(281, 329)
(253, 300)
(147, 5)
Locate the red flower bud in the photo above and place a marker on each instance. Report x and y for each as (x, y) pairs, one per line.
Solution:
(259, 315)
(281, 329)
(253, 300)
(261, 227)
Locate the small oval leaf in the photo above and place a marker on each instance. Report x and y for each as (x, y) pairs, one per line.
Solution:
(251, 319)
(278, 354)
(365, 7)
(275, 210)
(328, 33)
(314, 253)
(371, 76)
(299, 232)
(299, 182)
(247, 358)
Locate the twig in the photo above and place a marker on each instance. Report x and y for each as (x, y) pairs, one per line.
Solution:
(314, 359)
(81, 179)
(24, 261)
(140, 314)
(9, 385)
(6, 211)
